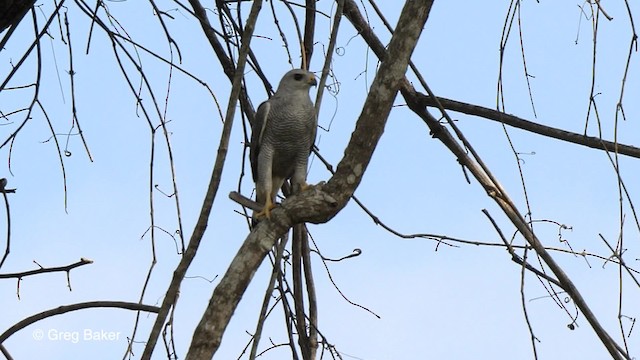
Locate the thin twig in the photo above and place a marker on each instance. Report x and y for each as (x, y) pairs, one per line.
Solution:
(532, 336)
(333, 37)
(482, 174)
(66, 268)
(7, 250)
(275, 273)
(74, 112)
(289, 316)
(517, 258)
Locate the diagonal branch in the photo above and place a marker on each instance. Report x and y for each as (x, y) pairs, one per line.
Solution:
(315, 205)
(506, 204)
(514, 121)
(73, 307)
(216, 175)
(485, 178)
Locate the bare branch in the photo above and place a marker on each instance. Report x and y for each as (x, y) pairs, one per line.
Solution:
(312, 338)
(216, 175)
(298, 293)
(5, 352)
(66, 268)
(275, 274)
(502, 199)
(520, 123)
(315, 204)
(487, 180)
(309, 30)
(329, 56)
(73, 307)
(4, 191)
(517, 258)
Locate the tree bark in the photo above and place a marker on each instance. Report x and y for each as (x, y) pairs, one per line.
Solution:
(320, 203)
(415, 101)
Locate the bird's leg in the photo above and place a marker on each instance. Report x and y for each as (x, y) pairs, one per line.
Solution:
(299, 178)
(304, 186)
(266, 210)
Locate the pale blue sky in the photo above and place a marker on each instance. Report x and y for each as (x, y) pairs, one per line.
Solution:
(454, 303)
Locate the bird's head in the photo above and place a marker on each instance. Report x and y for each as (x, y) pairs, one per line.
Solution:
(297, 79)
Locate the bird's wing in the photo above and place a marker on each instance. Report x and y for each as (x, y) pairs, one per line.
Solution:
(257, 130)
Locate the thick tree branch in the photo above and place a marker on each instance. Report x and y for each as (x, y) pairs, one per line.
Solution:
(494, 190)
(370, 124)
(315, 205)
(510, 210)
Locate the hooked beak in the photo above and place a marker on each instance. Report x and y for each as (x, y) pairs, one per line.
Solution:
(312, 80)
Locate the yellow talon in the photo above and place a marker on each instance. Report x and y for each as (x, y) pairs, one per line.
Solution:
(304, 186)
(266, 210)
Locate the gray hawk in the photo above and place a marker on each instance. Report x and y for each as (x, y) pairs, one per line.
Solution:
(282, 136)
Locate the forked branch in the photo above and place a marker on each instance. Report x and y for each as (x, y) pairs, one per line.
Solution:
(484, 177)
(320, 203)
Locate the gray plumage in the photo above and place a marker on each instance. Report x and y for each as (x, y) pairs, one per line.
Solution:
(282, 136)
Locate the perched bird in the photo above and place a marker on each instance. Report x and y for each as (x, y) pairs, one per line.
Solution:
(282, 136)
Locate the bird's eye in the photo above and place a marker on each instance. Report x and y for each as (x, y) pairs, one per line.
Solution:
(297, 77)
